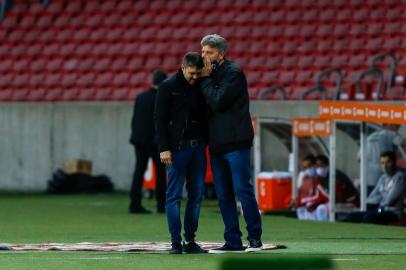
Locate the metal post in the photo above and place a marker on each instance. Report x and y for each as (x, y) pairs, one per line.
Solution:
(295, 153)
(332, 169)
(2, 9)
(257, 153)
(363, 164)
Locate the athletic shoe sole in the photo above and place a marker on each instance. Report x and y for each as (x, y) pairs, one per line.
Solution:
(213, 251)
(251, 249)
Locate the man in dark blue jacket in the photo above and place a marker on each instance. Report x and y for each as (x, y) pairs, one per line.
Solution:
(230, 139)
(145, 146)
(180, 118)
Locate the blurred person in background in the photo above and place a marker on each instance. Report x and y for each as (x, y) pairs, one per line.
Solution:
(145, 147)
(385, 204)
(308, 164)
(312, 198)
(386, 139)
(346, 193)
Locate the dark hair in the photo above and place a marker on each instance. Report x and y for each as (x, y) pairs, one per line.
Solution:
(390, 154)
(323, 158)
(158, 76)
(310, 157)
(193, 59)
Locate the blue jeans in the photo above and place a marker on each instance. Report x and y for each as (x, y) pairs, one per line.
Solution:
(190, 163)
(231, 173)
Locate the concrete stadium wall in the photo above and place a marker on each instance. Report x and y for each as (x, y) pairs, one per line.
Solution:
(36, 138)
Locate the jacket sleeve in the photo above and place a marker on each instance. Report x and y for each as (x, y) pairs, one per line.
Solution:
(133, 120)
(221, 97)
(375, 197)
(161, 117)
(399, 186)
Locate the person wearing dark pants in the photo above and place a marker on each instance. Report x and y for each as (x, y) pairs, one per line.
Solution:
(145, 147)
(180, 118)
(385, 204)
(230, 139)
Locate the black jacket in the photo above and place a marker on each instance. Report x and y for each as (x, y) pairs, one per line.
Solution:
(175, 100)
(142, 122)
(229, 119)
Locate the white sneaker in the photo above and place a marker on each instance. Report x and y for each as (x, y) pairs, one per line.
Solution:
(254, 245)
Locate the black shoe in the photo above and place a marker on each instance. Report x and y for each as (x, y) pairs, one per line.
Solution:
(138, 210)
(226, 248)
(176, 248)
(193, 248)
(254, 245)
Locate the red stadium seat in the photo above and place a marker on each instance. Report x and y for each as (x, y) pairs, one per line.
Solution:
(107, 49)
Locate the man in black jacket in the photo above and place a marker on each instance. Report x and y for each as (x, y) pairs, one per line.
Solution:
(230, 138)
(143, 139)
(180, 118)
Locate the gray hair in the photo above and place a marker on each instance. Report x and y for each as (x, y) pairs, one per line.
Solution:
(215, 41)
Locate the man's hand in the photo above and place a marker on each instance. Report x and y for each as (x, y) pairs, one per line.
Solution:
(166, 157)
(207, 69)
(311, 207)
(292, 203)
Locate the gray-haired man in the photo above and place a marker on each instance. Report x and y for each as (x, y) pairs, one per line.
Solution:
(230, 138)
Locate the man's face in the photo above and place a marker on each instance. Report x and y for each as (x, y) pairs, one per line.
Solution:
(191, 74)
(321, 164)
(306, 164)
(212, 53)
(387, 165)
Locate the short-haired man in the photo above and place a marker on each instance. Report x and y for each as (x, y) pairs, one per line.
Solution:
(180, 118)
(385, 139)
(386, 201)
(144, 141)
(231, 133)
(389, 194)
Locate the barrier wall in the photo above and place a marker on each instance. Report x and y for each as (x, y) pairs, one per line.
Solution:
(36, 138)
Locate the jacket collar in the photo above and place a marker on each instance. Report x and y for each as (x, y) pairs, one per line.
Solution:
(181, 79)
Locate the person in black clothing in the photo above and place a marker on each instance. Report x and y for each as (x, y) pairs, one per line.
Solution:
(231, 134)
(143, 139)
(180, 118)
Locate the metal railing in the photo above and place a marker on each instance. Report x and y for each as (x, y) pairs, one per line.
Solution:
(392, 68)
(321, 89)
(372, 72)
(272, 90)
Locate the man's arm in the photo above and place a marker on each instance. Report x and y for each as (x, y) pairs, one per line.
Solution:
(161, 117)
(374, 197)
(229, 89)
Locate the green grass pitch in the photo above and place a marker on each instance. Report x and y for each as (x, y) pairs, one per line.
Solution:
(104, 218)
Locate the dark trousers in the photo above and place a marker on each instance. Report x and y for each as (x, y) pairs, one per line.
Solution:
(142, 154)
(188, 162)
(372, 215)
(232, 175)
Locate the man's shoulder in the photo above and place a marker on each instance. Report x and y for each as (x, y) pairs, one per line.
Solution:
(400, 174)
(143, 94)
(232, 66)
(168, 83)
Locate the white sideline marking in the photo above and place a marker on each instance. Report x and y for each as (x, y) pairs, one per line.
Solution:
(344, 259)
(101, 258)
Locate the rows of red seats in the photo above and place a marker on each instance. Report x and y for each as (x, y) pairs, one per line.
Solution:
(105, 50)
